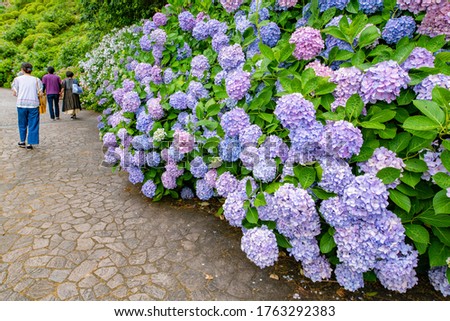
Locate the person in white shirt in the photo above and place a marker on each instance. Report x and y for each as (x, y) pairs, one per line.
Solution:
(26, 88)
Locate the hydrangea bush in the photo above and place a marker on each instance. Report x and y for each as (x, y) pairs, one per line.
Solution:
(323, 125)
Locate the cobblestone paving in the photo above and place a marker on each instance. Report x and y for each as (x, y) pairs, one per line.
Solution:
(72, 230)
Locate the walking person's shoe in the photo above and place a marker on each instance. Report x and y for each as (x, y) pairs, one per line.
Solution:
(22, 144)
(57, 118)
(29, 147)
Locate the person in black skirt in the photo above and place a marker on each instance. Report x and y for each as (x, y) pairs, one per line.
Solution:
(71, 102)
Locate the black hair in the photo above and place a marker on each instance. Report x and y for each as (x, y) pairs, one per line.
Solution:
(51, 70)
(69, 74)
(27, 67)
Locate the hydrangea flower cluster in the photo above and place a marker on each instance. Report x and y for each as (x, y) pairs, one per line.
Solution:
(436, 20)
(348, 82)
(383, 82)
(295, 111)
(199, 66)
(434, 164)
(149, 189)
(270, 34)
(439, 280)
(203, 190)
(370, 6)
(260, 245)
(419, 57)
(237, 84)
(416, 6)
(327, 4)
(341, 139)
(231, 57)
(287, 3)
(234, 122)
(308, 43)
(425, 88)
(231, 5)
(397, 28)
(320, 69)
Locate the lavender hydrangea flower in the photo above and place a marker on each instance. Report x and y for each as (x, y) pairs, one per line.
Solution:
(383, 82)
(145, 43)
(141, 142)
(149, 189)
(118, 95)
(348, 278)
(220, 41)
(397, 28)
(370, 6)
(294, 111)
(437, 20)
(153, 159)
(168, 76)
(183, 141)
(154, 108)
(158, 37)
(178, 100)
(184, 52)
(215, 27)
(231, 5)
(341, 139)
(135, 175)
(109, 140)
(159, 19)
(186, 193)
(203, 190)
(434, 164)
(242, 23)
(211, 177)
(382, 158)
(198, 167)
(234, 122)
(200, 32)
(265, 170)
(231, 57)
(287, 3)
(250, 135)
(131, 101)
(296, 213)
(197, 90)
(419, 57)
(237, 84)
(348, 82)
(102, 101)
(260, 246)
(199, 65)
(334, 212)
(148, 27)
(270, 34)
(327, 4)
(336, 175)
(187, 21)
(226, 184)
(365, 196)
(275, 147)
(439, 280)
(320, 69)
(233, 209)
(415, 6)
(128, 85)
(318, 270)
(142, 71)
(308, 43)
(425, 88)
(229, 149)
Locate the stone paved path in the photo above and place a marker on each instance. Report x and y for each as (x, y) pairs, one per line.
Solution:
(72, 230)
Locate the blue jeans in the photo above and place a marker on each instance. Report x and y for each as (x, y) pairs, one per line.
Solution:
(29, 123)
(53, 98)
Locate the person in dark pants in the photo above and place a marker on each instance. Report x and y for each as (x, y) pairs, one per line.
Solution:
(71, 102)
(26, 88)
(52, 85)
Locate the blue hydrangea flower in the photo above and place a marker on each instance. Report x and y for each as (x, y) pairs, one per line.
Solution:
(186, 193)
(233, 209)
(397, 28)
(184, 52)
(197, 90)
(327, 4)
(249, 135)
(109, 140)
(237, 84)
(186, 21)
(231, 57)
(294, 111)
(178, 100)
(234, 122)
(198, 167)
(439, 280)
(131, 101)
(229, 149)
(270, 34)
(226, 183)
(141, 142)
(200, 32)
(318, 270)
(341, 139)
(135, 175)
(145, 43)
(149, 189)
(260, 246)
(348, 278)
(265, 170)
(370, 6)
(336, 175)
(153, 159)
(220, 41)
(203, 190)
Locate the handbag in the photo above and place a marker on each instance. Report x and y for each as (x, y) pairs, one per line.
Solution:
(76, 89)
(42, 100)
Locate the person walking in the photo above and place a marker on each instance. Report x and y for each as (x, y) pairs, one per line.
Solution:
(26, 88)
(71, 102)
(52, 86)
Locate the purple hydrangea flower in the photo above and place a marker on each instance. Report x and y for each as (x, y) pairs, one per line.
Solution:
(260, 246)
(187, 21)
(437, 20)
(149, 189)
(153, 159)
(237, 84)
(265, 170)
(109, 140)
(131, 101)
(198, 167)
(295, 111)
(250, 135)
(439, 280)
(229, 149)
(197, 90)
(118, 95)
(231, 57)
(159, 19)
(425, 88)
(200, 31)
(320, 69)
(334, 212)
(419, 57)
(242, 23)
(348, 278)
(348, 82)
(128, 85)
(341, 139)
(184, 52)
(211, 177)
(142, 71)
(215, 27)
(135, 175)
(397, 28)
(287, 3)
(308, 43)
(178, 100)
(102, 101)
(318, 270)
(141, 142)
(186, 193)
(382, 158)
(199, 65)
(270, 34)
(226, 184)
(154, 108)
(158, 37)
(233, 209)
(336, 175)
(370, 6)
(434, 164)
(203, 190)
(231, 5)
(235, 122)
(168, 76)
(383, 82)
(183, 141)
(275, 147)
(296, 212)
(416, 6)
(145, 43)
(220, 41)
